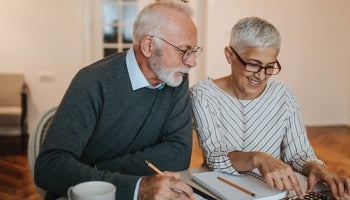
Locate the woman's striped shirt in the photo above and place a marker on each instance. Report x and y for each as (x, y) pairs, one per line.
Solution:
(270, 123)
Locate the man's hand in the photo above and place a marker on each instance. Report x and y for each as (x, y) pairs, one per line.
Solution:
(339, 186)
(168, 186)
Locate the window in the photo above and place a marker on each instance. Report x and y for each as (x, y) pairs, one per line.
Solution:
(107, 26)
(118, 19)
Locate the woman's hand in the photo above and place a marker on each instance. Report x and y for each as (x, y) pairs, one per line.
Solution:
(339, 186)
(278, 174)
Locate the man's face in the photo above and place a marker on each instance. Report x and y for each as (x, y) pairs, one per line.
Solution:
(174, 54)
(172, 71)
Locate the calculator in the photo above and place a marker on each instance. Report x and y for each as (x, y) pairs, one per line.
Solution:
(325, 195)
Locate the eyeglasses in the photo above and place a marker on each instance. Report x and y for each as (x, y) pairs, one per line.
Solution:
(251, 67)
(186, 53)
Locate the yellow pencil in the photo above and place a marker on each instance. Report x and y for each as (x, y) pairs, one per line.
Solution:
(161, 173)
(237, 186)
(154, 167)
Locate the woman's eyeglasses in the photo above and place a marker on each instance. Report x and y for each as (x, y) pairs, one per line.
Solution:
(251, 67)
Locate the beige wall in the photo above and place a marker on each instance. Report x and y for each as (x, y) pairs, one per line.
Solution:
(42, 39)
(47, 41)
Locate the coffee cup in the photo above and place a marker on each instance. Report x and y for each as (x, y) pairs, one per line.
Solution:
(92, 190)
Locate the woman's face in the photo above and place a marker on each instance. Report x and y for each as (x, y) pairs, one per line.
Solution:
(250, 85)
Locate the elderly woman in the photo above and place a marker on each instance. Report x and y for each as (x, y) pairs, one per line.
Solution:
(246, 120)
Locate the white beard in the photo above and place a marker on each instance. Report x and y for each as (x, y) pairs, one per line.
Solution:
(167, 74)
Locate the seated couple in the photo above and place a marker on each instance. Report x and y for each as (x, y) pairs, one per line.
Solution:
(135, 106)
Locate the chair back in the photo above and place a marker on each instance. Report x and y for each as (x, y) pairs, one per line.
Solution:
(36, 139)
(13, 106)
(11, 86)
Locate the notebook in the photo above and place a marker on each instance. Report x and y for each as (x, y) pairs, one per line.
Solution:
(251, 182)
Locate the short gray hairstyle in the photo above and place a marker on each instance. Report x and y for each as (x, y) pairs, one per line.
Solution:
(254, 32)
(152, 19)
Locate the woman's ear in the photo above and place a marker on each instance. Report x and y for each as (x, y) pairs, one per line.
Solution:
(147, 45)
(228, 54)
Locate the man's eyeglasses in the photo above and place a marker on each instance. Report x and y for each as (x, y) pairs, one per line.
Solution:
(251, 67)
(186, 53)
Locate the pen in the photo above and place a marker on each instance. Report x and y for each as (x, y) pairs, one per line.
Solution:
(237, 187)
(149, 164)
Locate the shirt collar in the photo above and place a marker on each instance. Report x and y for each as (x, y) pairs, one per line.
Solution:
(138, 80)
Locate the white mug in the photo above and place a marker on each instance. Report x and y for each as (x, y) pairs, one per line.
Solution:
(92, 190)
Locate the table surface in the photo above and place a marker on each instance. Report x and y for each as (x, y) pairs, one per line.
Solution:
(186, 177)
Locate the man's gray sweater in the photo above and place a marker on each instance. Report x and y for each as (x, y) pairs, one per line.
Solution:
(104, 130)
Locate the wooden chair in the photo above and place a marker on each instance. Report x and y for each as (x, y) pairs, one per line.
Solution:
(197, 157)
(13, 106)
(36, 139)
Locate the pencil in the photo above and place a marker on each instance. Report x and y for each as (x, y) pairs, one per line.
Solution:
(237, 187)
(149, 164)
(154, 167)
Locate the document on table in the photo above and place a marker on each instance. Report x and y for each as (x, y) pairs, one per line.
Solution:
(256, 187)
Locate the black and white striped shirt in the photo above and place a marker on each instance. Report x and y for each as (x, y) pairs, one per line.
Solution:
(270, 123)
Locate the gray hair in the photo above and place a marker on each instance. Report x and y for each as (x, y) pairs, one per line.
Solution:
(254, 32)
(153, 19)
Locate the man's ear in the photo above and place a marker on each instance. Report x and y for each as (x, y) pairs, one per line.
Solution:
(147, 46)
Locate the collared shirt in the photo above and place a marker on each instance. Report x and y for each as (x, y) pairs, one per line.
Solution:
(138, 80)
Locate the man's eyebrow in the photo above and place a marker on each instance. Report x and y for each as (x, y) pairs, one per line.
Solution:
(187, 47)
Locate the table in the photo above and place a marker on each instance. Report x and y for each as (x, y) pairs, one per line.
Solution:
(186, 177)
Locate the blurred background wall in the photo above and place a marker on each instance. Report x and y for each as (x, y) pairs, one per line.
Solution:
(49, 41)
